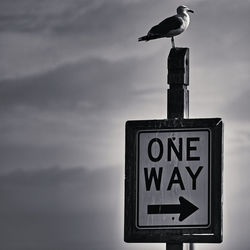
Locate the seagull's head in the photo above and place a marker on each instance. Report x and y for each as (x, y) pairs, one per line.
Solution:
(183, 9)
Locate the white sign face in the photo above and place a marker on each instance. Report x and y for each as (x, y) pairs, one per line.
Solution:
(173, 178)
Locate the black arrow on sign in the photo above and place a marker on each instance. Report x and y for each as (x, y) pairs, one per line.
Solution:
(185, 208)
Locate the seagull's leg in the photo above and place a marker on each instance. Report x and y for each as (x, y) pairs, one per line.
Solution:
(172, 41)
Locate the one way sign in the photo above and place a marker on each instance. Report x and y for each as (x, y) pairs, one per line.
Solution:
(173, 180)
(173, 165)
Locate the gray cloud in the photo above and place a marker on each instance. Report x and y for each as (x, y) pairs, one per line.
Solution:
(70, 31)
(88, 18)
(51, 33)
(93, 82)
(238, 108)
(60, 208)
(34, 16)
(95, 85)
(63, 115)
(220, 32)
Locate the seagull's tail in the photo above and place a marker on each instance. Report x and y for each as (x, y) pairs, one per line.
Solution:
(143, 38)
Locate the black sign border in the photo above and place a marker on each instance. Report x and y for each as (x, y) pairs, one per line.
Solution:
(211, 234)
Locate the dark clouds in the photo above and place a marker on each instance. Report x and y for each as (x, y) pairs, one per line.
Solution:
(93, 85)
(238, 109)
(87, 18)
(36, 16)
(70, 86)
(60, 209)
(222, 33)
(71, 112)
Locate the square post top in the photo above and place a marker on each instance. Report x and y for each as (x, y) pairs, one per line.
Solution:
(178, 67)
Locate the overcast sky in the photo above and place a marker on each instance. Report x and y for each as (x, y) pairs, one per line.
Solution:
(71, 74)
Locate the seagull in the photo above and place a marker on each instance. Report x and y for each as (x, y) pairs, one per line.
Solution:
(170, 27)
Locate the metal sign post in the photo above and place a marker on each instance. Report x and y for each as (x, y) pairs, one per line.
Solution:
(178, 94)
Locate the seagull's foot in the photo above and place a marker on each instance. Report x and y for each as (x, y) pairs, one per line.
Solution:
(172, 42)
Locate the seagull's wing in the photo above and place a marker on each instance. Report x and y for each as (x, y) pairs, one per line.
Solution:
(170, 23)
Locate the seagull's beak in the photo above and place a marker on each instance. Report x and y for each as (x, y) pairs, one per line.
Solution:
(190, 11)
